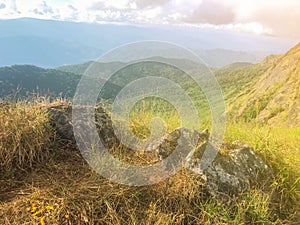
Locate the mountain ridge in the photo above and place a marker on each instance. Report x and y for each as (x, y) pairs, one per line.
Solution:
(275, 97)
(50, 43)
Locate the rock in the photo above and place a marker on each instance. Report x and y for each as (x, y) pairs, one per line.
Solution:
(185, 141)
(61, 120)
(236, 167)
(105, 128)
(234, 170)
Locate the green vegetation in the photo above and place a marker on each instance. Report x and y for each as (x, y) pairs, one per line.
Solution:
(274, 98)
(62, 189)
(25, 81)
(235, 81)
(46, 181)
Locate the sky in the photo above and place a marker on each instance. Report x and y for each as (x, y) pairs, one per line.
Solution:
(278, 18)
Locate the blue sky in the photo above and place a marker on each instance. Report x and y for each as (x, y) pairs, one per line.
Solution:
(280, 18)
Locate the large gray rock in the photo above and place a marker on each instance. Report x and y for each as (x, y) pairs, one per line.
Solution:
(235, 168)
(61, 120)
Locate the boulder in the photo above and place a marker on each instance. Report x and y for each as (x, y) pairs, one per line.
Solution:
(235, 168)
(61, 120)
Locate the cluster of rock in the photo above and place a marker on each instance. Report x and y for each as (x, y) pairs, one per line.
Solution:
(235, 168)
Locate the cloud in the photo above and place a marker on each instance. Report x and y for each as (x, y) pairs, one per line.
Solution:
(278, 18)
(127, 4)
(43, 8)
(2, 6)
(46, 8)
(98, 6)
(72, 8)
(14, 5)
(212, 12)
(112, 4)
(282, 17)
(150, 3)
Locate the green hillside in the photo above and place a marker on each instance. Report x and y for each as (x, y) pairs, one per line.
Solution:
(45, 180)
(275, 97)
(234, 79)
(23, 81)
(265, 92)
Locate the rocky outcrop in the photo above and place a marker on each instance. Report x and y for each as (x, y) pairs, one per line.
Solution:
(275, 97)
(61, 119)
(234, 169)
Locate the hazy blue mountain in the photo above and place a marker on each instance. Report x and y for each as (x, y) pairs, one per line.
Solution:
(43, 51)
(54, 43)
(98, 66)
(222, 57)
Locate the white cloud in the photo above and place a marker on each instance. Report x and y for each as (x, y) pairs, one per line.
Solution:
(2, 5)
(279, 18)
(43, 9)
(212, 12)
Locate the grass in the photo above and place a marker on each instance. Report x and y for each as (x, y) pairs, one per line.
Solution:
(280, 148)
(25, 135)
(58, 186)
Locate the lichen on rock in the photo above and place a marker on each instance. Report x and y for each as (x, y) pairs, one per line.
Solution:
(235, 168)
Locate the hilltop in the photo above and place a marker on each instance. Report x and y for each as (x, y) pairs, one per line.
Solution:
(275, 97)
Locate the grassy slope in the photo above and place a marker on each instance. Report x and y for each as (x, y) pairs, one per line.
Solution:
(275, 97)
(62, 189)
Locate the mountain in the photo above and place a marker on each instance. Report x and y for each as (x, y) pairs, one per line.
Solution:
(99, 66)
(237, 78)
(43, 51)
(238, 65)
(47, 43)
(223, 57)
(23, 81)
(267, 92)
(275, 97)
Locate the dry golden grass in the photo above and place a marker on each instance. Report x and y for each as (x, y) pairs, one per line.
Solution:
(25, 134)
(62, 189)
(66, 191)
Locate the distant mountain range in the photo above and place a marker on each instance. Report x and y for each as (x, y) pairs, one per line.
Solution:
(48, 43)
(268, 92)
